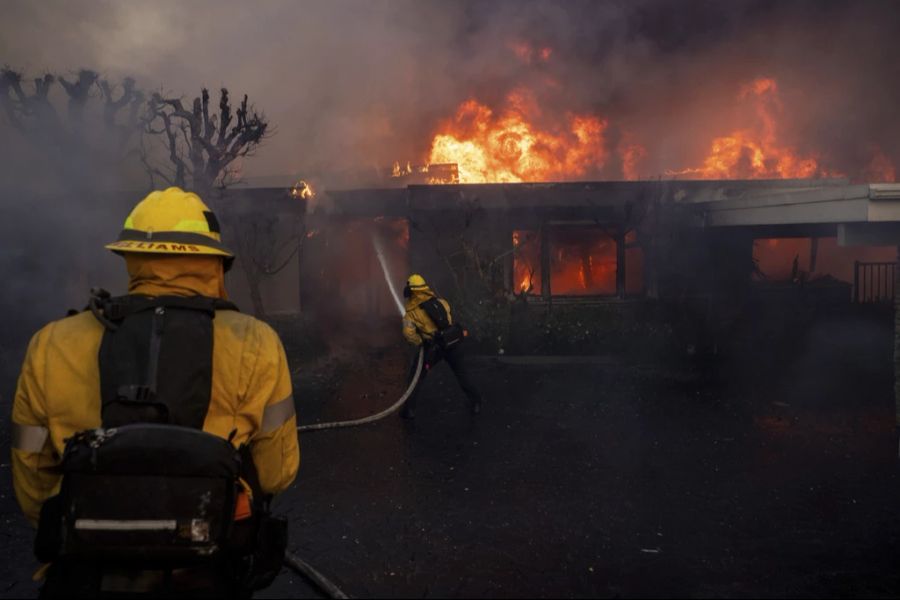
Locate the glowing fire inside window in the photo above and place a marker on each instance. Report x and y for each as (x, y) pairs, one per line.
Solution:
(526, 262)
(582, 261)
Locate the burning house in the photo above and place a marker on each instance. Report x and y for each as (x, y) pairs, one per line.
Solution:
(520, 202)
(516, 256)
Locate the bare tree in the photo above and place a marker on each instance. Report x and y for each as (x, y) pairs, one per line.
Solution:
(201, 147)
(29, 110)
(265, 250)
(85, 126)
(68, 138)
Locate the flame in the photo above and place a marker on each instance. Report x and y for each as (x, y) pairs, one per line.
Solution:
(756, 152)
(527, 283)
(632, 154)
(518, 141)
(509, 146)
(399, 171)
(526, 261)
(529, 53)
(302, 190)
(431, 174)
(583, 262)
(880, 169)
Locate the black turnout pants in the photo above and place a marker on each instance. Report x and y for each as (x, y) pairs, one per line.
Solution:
(456, 358)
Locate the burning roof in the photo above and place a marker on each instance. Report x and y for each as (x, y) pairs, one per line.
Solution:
(519, 140)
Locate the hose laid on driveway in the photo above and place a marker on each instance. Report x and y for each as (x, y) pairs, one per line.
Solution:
(292, 560)
(377, 416)
(304, 568)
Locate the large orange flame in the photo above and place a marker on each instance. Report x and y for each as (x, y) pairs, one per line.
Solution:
(755, 152)
(519, 141)
(880, 169)
(510, 146)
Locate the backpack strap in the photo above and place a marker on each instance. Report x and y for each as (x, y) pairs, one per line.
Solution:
(435, 310)
(156, 357)
(109, 309)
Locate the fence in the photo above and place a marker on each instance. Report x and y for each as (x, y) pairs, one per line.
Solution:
(873, 282)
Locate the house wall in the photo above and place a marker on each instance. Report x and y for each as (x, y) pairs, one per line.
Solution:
(694, 283)
(266, 229)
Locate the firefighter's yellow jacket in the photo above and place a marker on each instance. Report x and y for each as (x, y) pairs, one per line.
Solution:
(417, 326)
(58, 392)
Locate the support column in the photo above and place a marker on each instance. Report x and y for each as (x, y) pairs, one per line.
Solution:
(620, 263)
(545, 261)
(897, 344)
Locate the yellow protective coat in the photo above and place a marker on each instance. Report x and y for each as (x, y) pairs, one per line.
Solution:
(59, 388)
(417, 326)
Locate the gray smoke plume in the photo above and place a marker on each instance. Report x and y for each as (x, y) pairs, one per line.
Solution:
(357, 84)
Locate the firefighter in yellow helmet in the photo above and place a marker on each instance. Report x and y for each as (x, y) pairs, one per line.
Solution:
(428, 322)
(173, 352)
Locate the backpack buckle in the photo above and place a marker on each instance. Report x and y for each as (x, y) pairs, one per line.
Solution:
(141, 394)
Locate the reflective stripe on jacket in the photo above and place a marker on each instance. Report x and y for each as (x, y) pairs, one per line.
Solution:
(58, 395)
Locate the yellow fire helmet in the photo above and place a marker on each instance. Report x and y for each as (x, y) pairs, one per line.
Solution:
(172, 221)
(416, 282)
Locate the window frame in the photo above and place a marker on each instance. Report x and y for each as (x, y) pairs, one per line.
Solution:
(543, 230)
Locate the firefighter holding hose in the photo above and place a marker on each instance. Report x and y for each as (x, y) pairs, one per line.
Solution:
(428, 322)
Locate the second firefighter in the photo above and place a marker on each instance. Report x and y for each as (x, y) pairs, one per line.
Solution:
(429, 323)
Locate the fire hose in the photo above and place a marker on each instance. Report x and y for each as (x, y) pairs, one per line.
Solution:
(292, 560)
(304, 568)
(377, 416)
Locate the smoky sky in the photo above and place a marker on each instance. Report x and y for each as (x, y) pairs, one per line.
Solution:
(360, 84)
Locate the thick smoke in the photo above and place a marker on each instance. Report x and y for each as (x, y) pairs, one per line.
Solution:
(353, 85)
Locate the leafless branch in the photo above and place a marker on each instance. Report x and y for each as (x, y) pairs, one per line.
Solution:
(79, 92)
(212, 143)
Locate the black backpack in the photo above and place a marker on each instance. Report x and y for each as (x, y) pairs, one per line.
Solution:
(447, 335)
(150, 489)
(143, 493)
